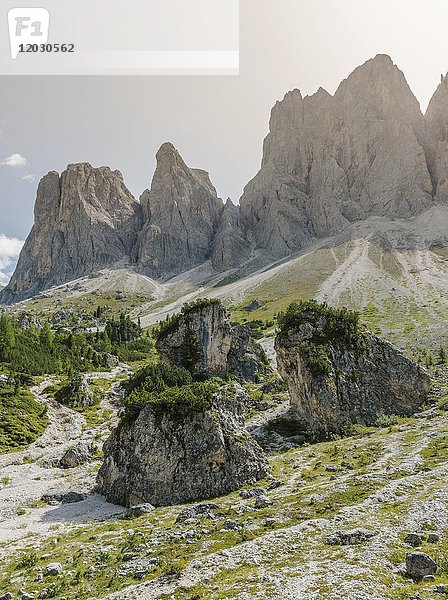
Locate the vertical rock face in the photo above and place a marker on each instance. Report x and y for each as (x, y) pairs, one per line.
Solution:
(181, 214)
(202, 340)
(330, 160)
(179, 455)
(339, 374)
(231, 246)
(84, 219)
(437, 120)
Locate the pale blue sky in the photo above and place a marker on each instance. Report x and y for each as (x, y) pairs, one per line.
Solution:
(216, 122)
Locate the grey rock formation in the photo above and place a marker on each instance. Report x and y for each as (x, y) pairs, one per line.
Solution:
(54, 497)
(351, 537)
(84, 220)
(77, 455)
(202, 340)
(419, 565)
(231, 244)
(339, 374)
(139, 510)
(178, 456)
(331, 160)
(181, 214)
(437, 121)
(77, 393)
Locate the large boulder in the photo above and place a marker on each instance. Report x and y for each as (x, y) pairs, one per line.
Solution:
(339, 374)
(177, 454)
(77, 393)
(202, 339)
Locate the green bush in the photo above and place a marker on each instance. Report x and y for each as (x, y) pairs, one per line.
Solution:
(196, 396)
(340, 324)
(156, 377)
(167, 387)
(22, 421)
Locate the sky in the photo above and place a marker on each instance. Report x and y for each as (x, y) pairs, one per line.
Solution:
(216, 122)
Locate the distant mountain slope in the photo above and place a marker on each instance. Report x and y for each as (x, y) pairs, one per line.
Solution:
(329, 163)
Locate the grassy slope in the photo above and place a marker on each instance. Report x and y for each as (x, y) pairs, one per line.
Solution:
(22, 420)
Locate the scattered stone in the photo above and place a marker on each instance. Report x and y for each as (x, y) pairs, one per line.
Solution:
(414, 539)
(350, 537)
(230, 525)
(331, 468)
(138, 567)
(427, 414)
(276, 483)
(262, 502)
(252, 493)
(26, 595)
(347, 465)
(129, 556)
(433, 537)
(441, 588)
(200, 510)
(254, 305)
(54, 497)
(53, 569)
(78, 455)
(419, 564)
(7, 596)
(139, 510)
(428, 578)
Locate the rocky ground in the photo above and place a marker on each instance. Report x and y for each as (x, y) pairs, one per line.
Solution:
(28, 475)
(273, 540)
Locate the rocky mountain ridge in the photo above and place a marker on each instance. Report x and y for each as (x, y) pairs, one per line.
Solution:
(328, 162)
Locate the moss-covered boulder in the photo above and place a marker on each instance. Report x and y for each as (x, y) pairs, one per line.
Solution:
(339, 374)
(184, 444)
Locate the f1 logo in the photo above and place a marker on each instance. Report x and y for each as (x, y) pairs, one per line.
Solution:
(27, 26)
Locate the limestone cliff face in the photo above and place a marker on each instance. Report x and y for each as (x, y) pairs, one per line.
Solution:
(331, 160)
(232, 242)
(339, 375)
(437, 120)
(202, 339)
(181, 213)
(328, 161)
(84, 220)
(179, 456)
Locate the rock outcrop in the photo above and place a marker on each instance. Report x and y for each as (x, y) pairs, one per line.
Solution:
(181, 214)
(231, 244)
(331, 160)
(437, 121)
(339, 374)
(77, 393)
(176, 455)
(202, 340)
(84, 220)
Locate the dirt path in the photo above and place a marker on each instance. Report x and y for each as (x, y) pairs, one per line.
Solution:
(28, 474)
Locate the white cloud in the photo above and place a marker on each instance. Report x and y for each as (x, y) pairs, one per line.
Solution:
(15, 160)
(9, 251)
(29, 178)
